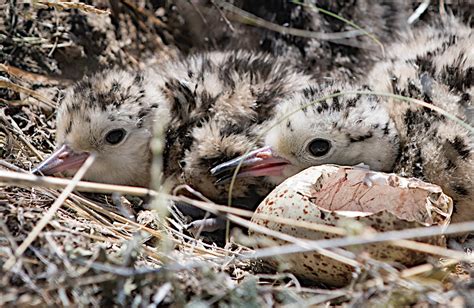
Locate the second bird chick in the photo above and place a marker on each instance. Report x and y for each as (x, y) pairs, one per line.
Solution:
(434, 65)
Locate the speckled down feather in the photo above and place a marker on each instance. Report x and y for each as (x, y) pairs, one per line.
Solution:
(213, 106)
(434, 64)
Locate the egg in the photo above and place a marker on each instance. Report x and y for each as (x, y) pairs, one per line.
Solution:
(345, 196)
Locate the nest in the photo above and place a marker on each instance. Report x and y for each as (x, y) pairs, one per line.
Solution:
(105, 248)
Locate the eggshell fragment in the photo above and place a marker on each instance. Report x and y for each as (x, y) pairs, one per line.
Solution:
(330, 194)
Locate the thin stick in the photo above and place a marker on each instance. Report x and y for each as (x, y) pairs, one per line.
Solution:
(5, 164)
(351, 23)
(367, 239)
(431, 249)
(23, 179)
(31, 180)
(21, 135)
(419, 10)
(6, 83)
(71, 5)
(253, 20)
(49, 214)
(283, 236)
(412, 245)
(297, 241)
(219, 209)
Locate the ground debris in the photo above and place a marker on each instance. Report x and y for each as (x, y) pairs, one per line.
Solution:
(93, 254)
(75, 40)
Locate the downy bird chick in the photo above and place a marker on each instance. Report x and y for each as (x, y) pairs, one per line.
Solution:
(213, 106)
(435, 65)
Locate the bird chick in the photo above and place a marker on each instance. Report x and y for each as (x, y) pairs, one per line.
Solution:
(385, 133)
(310, 131)
(212, 105)
(111, 114)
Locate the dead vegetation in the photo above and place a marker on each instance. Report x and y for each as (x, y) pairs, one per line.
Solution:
(96, 249)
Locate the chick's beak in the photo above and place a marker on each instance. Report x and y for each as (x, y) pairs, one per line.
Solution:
(261, 162)
(61, 160)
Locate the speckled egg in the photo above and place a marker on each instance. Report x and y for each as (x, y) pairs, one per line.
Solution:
(330, 195)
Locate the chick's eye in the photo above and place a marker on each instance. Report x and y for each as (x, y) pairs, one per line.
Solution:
(319, 147)
(115, 136)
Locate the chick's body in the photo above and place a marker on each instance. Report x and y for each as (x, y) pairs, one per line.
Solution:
(219, 104)
(435, 65)
(440, 71)
(213, 105)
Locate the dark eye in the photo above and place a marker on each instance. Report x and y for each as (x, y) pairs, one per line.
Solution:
(319, 147)
(115, 136)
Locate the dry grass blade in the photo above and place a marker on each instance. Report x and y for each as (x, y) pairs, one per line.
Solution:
(50, 213)
(419, 11)
(253, 20)
(351, 23)
(431, 249)
(32, 77)
(369, 239)
(30, 180)
(222, 209)
(71, 5)
(6, 83)
(297, 241)
(146, 13)
(413, 245)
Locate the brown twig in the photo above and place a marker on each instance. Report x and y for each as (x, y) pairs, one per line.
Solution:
(49, 214)
(6, 83)
(30, 180)
(250, 19)
(369, 239)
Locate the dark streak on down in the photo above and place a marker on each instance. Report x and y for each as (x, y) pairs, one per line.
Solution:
(68, 127)
(460, 190)
(461, 148)
(359, 138)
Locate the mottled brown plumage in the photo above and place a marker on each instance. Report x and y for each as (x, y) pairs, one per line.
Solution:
(436, 65)
(213, 106)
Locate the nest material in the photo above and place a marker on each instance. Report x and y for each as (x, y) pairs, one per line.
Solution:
(105, 250)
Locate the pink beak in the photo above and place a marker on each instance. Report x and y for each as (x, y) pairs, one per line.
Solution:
(261, 162)
(62, 159)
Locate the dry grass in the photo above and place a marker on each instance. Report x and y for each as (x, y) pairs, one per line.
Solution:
(67, 242)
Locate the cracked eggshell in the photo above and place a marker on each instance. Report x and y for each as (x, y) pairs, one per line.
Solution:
(330, 194)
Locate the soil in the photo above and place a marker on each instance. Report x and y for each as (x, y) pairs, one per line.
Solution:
(103, 249)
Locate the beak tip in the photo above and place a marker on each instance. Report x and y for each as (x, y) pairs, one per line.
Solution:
(61, 160)
(219, 180)
(38, 169)
(214, 170)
